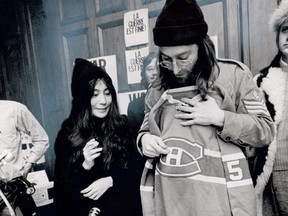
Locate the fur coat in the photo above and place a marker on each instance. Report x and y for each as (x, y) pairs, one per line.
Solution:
(271, 80)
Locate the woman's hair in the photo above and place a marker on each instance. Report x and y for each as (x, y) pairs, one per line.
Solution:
(147, 60)
(203, 73)
(109, 130)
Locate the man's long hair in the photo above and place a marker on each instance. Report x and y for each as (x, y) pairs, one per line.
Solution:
(203, 74)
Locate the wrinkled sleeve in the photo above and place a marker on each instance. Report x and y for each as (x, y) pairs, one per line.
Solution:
(27, 123)
(251, 124)
(151, 97)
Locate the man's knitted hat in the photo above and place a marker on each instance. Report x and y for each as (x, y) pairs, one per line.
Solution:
(181, 22)
(279, 16)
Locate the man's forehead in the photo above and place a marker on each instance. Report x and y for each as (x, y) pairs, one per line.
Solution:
(177, 50)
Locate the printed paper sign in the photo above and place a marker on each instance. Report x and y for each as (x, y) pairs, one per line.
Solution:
(136, 27)
(110, 66)
(41, 184)
(125, 98)
(134, 61)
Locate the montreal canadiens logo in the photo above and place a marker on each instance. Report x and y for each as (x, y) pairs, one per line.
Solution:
(182, 161)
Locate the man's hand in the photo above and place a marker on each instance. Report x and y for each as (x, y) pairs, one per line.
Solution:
(201, 112)
(26, 169)
(153, 146)
(6, 157)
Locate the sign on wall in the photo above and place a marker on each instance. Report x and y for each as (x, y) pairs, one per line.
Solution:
(136, 27)
(134, 60)
(125, 98)
(110, 66)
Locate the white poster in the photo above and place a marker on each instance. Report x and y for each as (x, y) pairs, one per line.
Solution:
(125, 98)
(136, 27)
(134, 60)
(110, 66)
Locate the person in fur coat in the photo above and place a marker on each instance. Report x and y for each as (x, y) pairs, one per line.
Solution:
(272, 184)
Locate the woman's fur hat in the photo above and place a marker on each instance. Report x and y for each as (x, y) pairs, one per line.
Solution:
(279, 16)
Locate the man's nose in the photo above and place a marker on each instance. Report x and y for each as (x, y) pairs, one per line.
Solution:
(175, 68)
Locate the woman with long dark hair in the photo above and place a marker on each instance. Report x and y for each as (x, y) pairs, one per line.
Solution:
(93, 149)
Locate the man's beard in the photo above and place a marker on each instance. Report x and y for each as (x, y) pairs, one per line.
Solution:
(177, 82)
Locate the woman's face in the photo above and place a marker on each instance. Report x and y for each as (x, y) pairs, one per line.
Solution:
(151, 71)
(101, 100)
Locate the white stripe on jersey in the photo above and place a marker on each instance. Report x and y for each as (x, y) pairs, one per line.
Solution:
(231, 157)
(209, 179)
(232, 184)
(146, 188)
(203, 178)
(218, 180)
(148, 165)
(212, 153)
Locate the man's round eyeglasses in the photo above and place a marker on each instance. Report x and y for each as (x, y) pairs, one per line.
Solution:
(180, 63)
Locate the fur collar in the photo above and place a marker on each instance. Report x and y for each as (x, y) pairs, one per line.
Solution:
(274, 85)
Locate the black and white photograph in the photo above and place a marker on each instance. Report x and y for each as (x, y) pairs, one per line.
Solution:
(143, 108)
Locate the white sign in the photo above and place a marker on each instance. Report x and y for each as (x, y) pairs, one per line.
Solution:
(110, 66)
(125, 98)
(136, 27)
(41, 184)
(134, 61)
